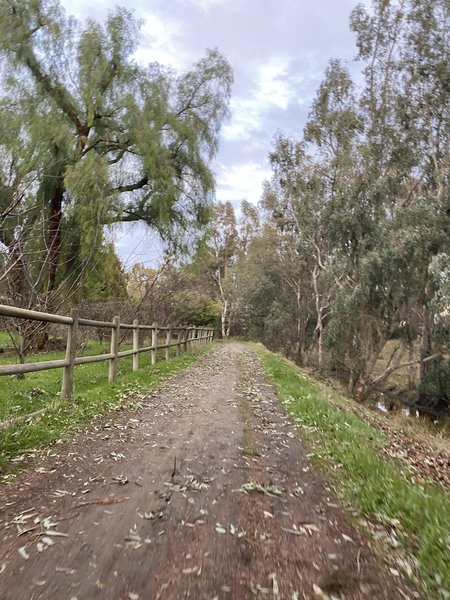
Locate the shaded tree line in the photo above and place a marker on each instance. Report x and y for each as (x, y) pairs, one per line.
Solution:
(348, 254)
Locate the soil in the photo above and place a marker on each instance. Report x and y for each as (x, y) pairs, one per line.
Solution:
(203, 491)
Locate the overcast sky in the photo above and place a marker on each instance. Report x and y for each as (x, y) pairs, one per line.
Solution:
(278, 49)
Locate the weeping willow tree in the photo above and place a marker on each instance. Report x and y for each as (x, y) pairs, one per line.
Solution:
(91, 138)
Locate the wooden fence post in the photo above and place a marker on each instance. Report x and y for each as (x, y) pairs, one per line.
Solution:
(112, 372)
(168, 340)
(154, 343)
(136, 345)
(185, 338)
(71, 350)
(177, 347)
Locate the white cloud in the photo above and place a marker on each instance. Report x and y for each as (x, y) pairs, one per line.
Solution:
(83, 9)
(245, 119)
(160, 42)
(136, 242)
(160, 36)
(241, 181)
(207, 5)
(272, 89)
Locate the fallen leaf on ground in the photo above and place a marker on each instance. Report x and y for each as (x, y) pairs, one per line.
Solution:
(294, 531)
(275, 588)
(121, 479)
(107, 500)
(253, 486)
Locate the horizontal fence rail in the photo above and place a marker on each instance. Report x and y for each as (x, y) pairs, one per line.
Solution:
(182, 338)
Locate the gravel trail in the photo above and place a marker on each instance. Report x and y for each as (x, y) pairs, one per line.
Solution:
(204, 491)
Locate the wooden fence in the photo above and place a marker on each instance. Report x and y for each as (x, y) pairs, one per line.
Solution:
(186, 337)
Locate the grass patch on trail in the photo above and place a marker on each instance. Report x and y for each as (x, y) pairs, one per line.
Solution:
(93, 397)
(348, 449)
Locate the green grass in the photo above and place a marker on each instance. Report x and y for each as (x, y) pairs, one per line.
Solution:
(37, 390)
(5, 341)
(93, 396)
(4, 338)
(348, 449)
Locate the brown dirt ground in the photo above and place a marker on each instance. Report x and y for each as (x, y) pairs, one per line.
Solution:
(181, 524)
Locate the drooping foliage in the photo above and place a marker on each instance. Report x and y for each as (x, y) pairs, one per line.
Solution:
(89, 138)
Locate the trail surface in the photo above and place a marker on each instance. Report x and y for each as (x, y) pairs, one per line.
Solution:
(204, 491)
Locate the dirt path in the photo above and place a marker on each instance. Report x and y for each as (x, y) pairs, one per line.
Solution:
(204, 492)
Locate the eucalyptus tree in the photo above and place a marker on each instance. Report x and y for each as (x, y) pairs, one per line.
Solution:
(359, 206)
(387, 213)
(248, 225)
(309, 195)
(291, 206)
(99, 139)
(404, 47)
(215, 258)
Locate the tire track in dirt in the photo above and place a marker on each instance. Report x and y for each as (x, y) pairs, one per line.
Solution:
(202, 492)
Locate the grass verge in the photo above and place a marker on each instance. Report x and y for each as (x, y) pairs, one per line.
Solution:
(38, 390)
(93, 397)
(379, 489)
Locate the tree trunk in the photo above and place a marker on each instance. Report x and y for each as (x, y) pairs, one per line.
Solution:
(392, 366)
(425, 341)
(412, 368)
(351, 384)
(54, 247)
(319, 324)
(21, 354)
(228, 323)
(54, 238)
(301, 328)
(224, 318)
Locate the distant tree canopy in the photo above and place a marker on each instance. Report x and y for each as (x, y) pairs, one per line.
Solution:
(88, 138)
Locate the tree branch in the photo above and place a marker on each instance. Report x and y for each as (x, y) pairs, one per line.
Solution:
(59, 94)
(131, 187)
(387, 372)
